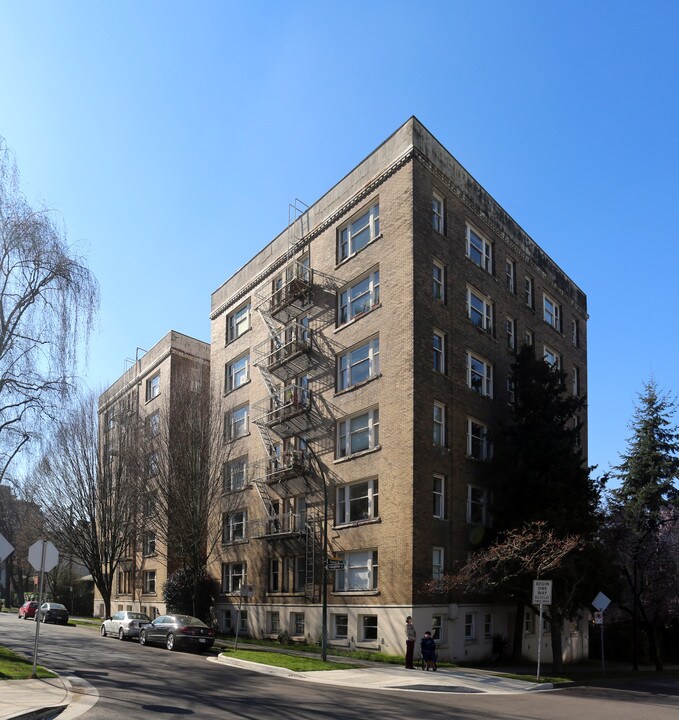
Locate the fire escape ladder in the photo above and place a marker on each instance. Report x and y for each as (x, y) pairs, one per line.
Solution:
(311, 554)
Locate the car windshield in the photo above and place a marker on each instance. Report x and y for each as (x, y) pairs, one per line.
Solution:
(137, 616)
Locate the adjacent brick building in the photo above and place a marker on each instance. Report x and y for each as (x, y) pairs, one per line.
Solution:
(361, 359)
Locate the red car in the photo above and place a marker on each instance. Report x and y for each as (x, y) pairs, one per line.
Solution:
(28, 610)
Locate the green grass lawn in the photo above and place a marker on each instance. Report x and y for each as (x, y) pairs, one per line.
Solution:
(297, 663)
(15, 667)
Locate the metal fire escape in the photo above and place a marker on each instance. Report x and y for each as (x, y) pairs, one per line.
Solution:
(283, 417)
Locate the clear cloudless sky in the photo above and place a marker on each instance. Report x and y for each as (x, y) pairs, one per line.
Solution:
(171, 136)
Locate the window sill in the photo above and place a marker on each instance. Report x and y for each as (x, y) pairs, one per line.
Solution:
(358, 385)
(358, 252)
(355, 593)
(233, 390)
(367, 645)
(337, 461)
(356, 318)
(228, 441)
(357, 523)
(284, 593)
(231, 543)
(233, 340)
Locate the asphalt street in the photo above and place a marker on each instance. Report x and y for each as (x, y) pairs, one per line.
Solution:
(130, 681)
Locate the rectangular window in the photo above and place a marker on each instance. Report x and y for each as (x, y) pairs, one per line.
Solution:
(479, 250)
(479, 310)
(529, 338)
(340, 626)
(510, 275)
(360, 572)
(529, 622)
(233, 526)
(439, 496)
(237, 323)
(358, 433)
(437, 563)
(243, 621)
(469, 628)
(437, 213)
(237, 422)
(437, 628)
(358, 233)
(511, 395)
(439, 281)
(528, 291)
(439, 434)
(149, 582)
(237, 373)
(359, 364)
(368, 628)
(235, 474)
(274, 575)
(575, 380)
(153, 387)
(479, 375)
(552, 357)
(478, 506)
(478, 444)
(273, 622)
(149, 544)
(575, 333)
(551, 312)
(233, 577)
(297, 623)
(511, 333)
(300, 573)
(439, 351)
(359, 298)
(124, 582)
(488, 626)
(358, 502)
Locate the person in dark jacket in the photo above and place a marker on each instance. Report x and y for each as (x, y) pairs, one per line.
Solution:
(428, 650)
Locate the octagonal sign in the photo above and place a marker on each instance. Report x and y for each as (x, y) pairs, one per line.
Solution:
(6, 548)
(35, 555)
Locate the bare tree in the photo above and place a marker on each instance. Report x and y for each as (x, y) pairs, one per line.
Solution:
(48, 298)
(91, 497)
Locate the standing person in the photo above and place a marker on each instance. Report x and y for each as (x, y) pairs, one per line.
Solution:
(411, 636)
(428, 650)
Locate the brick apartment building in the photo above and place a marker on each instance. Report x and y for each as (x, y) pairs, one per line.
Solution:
(135, 403)
(361, 358)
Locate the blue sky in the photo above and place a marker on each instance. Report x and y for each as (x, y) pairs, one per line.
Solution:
(171, 137)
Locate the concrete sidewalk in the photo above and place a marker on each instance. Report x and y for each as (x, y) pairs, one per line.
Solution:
(66, 697)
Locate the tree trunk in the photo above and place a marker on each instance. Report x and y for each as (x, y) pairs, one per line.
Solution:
(556, 632)
(654, 647)
(517, 640)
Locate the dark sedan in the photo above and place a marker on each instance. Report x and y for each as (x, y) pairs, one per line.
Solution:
(53, 612)
(175, 631)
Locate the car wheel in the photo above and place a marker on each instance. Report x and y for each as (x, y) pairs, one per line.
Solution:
(103, 630)
(142, 638)
(169, 641)
(121, 634)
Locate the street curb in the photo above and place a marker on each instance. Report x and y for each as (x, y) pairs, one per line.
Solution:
(46, 713)
(258, 667)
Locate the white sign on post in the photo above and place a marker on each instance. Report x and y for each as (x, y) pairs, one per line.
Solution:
(35, 555)
(542, 592)
(6, 548)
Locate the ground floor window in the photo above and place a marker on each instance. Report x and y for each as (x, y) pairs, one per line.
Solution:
(369, 627)
(437, 627)
(226, 621)
(469, 626)
(273, 622)
(297, 624)
(340, 626)
(243, 627)
(488, 626)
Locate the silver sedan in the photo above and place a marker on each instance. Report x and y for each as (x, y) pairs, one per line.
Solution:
(124, 624)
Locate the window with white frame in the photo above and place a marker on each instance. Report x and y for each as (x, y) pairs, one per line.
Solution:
(237, 422)
(437, 563)
(552, 357)
(359, 364)
(510, 275)
(529, 622)
(437, 628)
(233, 526)
(340, 626)
(511, 393)
(238, 322)
(487, 626)
(359, 232)
(153, 387)
(273, 622)
(529, 338)
(368, 627)
(528, 291)
(478, 506)
(511, 333)
(358, 433)
(233, 577)
(437, 213)
(479, 250)
(469, 626)
(149, 544)
(439, 351)
(439, 419)
(360, 572)
(149, 582)
(358, 501)
(439, 496)
(274, 575)
(479, 375)
(478, 444)
(438, 281)
(235, 474)
(297, 624)
(243, 621)
(237, 372)
(551, 312)
(575, 380)
(359, 298)
(479, 310)
(575, 333)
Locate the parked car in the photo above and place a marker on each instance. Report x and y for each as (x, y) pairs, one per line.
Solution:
(175, 631)
(53, 612)
(124, 624)
(27, 610)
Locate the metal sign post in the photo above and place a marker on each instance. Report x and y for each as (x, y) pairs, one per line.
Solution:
(601, 602)
(43, 556)
(245, 591)
(542, 595)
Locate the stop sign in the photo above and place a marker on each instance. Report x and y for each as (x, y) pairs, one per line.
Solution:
(35, 555)
(5, 548)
